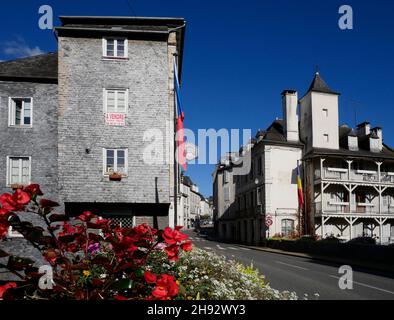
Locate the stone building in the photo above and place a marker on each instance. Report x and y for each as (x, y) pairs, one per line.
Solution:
(70, 120)
(347, 175)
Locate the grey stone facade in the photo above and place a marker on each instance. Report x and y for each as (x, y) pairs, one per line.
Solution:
(38, 142)
(83, 75)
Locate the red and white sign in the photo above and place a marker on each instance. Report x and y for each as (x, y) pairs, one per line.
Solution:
(268, 221)
(115, 119)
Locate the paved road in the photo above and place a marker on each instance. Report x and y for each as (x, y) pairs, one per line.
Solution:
(304, 275)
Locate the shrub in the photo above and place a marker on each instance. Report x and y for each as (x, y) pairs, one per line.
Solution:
(363, 240)
(207, 276)
(90, 258)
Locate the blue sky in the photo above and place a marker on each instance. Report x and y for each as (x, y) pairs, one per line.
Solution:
(240, 55)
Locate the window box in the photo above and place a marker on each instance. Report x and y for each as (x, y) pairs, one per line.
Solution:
(115, 176)
(16, 186)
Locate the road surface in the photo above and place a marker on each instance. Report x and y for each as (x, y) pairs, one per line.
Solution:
(304, 275)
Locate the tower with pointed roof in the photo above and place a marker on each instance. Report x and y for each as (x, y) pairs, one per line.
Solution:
(319, 116)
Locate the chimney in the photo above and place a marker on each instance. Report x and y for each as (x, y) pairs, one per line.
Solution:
(290, 117)
(379, 133)
(374, 142)
(364, 129)
(352, 141)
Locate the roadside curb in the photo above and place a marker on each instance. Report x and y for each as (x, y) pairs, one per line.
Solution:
(358, 264)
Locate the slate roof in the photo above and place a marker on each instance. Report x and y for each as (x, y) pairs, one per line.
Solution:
(40, 68)
(319, 85)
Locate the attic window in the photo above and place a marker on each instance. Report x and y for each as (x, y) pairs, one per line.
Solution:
(326, 138)
(325, 112)
(114, 48)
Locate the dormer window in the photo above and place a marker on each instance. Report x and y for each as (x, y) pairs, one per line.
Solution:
(114, 48)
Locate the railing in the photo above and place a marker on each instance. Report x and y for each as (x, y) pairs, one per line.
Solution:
(355, 175)
(345, 208)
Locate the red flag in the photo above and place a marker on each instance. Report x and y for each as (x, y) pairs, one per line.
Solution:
(180, 134)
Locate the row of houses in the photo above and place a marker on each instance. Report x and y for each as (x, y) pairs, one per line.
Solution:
(194, 207)
(347, 175)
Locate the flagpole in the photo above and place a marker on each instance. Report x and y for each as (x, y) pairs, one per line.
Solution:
(176, 166)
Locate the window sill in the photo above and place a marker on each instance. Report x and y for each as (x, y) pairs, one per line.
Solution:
(114, 58)
(27, 126)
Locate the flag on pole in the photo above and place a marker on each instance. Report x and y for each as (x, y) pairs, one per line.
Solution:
(299, 187)
(180, 129)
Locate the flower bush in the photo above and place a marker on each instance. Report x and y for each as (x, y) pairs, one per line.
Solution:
(207, 276)
(90, 258)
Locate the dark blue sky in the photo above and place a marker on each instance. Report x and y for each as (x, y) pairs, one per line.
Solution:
(240, 55)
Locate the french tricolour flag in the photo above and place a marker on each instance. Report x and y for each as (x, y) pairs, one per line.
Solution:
(180, 129)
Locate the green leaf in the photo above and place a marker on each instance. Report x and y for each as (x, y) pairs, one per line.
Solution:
(123, 284)
(139, 273)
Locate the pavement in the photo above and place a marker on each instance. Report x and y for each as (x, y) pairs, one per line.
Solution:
(302, 274)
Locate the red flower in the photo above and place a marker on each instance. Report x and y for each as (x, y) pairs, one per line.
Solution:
(166, 287)
(45, 203)
(7, 286)
(149, 277)
(4, 214)
(3, 230)
(187, 246)
(173, 236)
(118, 297)
(33, 190)
(172, 252)
(15, 202)
(86, 216)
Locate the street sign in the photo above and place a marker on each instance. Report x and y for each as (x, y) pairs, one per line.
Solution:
(268, 221)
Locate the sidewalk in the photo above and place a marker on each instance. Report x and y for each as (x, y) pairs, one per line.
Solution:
(340, 261)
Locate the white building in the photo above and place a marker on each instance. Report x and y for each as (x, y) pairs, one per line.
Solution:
(348, 176)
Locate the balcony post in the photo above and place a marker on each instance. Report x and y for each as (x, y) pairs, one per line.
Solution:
(349, 164)
(379, 165)
(322, 174)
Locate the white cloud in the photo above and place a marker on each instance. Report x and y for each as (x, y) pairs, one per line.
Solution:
(19, 48)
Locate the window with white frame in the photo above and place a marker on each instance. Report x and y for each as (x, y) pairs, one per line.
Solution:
(20, 111)
(18, 170)
(114, 48)
(325, 112)
(115, 160)
(115, 100)
(326, 138)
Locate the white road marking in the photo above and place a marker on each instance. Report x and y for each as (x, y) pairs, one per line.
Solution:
(246, 249)
(207, 248)
(366, 285)
(232, 248)
(221, 248)
(291, 265)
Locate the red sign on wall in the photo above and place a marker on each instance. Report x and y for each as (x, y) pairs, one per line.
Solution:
(115, 119)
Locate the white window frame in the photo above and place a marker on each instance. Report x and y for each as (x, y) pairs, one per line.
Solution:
(105, 96)
(11, 112)
(115, 56)
(20, 169)
(105, 173)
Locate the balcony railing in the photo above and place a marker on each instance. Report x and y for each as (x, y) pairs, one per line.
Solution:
(358, 208)
(355, 175)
